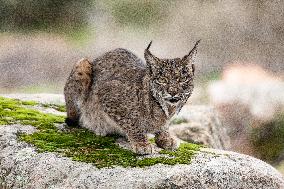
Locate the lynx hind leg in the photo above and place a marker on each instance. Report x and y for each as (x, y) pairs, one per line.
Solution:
(76, 89)
(72, 119)
(83, 74)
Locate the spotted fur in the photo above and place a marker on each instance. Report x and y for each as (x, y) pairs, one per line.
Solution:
(129, 97)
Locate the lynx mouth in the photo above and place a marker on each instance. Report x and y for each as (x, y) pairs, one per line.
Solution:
(173, 100)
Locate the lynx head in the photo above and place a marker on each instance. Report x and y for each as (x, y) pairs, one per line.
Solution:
(171, 80)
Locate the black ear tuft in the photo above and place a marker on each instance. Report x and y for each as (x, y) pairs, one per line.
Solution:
(194, 49)
(151, 60)
(197, 43)
(190, 57)
(149, 57)
(149, 46)
(193, 68)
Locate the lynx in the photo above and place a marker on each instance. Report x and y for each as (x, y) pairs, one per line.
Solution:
(119, 93)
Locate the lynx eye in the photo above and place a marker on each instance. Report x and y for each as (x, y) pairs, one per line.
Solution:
(183, 79)
(162, 80)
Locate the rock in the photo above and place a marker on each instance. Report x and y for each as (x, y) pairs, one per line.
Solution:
(247, 98)
(200, 125)
(21, 166)
(262, 93)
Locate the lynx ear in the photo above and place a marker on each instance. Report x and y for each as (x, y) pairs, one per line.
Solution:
(151, 60)
(189, 59)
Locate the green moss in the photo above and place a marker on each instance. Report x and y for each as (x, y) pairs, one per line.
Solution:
(28, 103)
(152, 140)
(12, 112)
(81, 144)
(268, 139)
(140, 14)
(212, 75)
(178, 121)
(60, 108)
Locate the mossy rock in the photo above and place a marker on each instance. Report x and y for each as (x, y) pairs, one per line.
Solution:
(81, 144)
(268, 139)
(178, 120)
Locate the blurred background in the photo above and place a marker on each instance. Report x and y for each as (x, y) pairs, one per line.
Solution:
(240, 62)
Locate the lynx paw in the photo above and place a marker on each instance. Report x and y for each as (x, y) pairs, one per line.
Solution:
(142, 148)
(167, 143)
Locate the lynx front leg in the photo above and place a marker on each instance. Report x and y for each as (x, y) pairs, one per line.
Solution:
(165, 141)
(139, 142)
(141, 145)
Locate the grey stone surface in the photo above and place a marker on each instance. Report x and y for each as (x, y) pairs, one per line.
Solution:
(264, 97)
(202, 126)
(40, 97)
(22, 167)
(47, 110)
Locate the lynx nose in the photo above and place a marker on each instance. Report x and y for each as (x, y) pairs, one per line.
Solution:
(172, 91)
(172, 95)
(175, 99)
